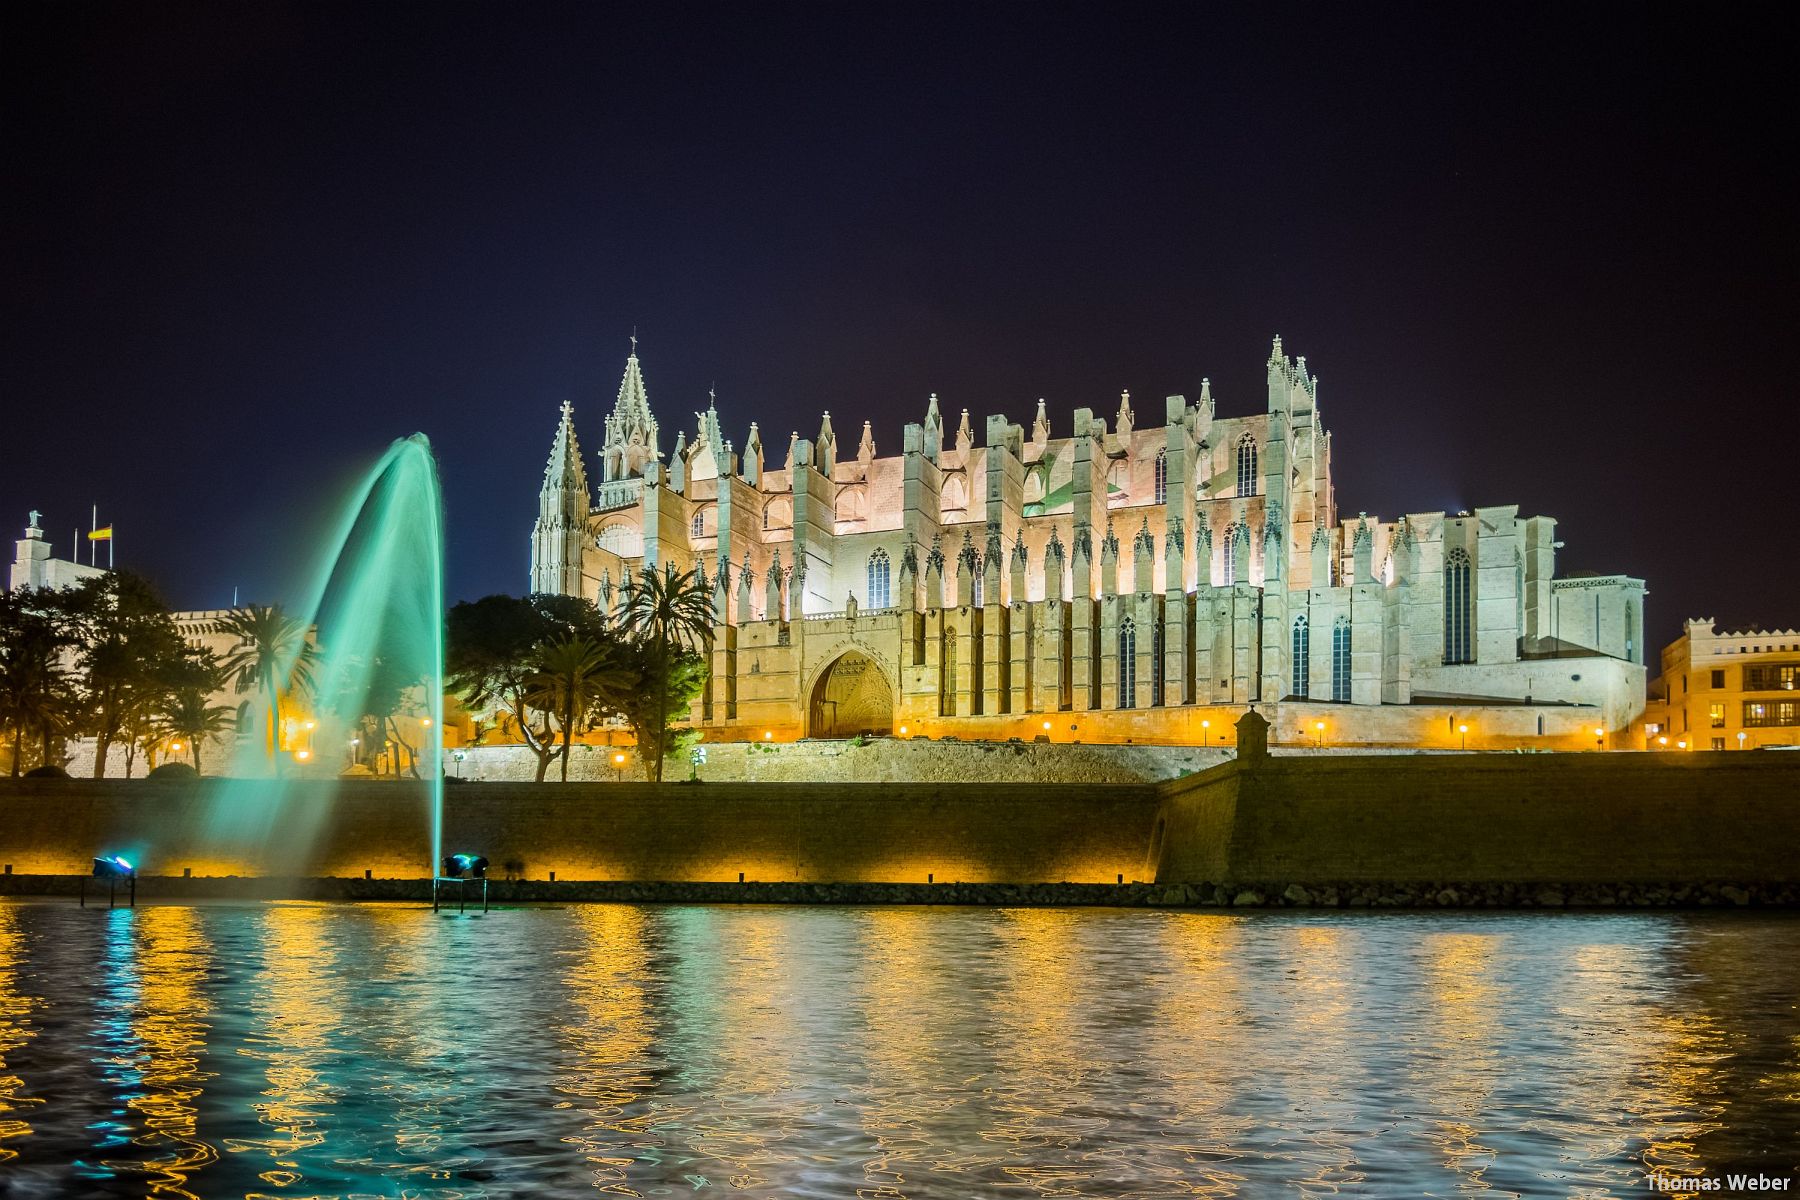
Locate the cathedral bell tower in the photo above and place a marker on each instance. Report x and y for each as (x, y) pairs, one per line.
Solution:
(556, 539)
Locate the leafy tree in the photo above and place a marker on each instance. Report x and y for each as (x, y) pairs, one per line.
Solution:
(129, 651)
(669, 615)
(665, 682)
(576, 677)
(491, 651)
(36, 691)
(187, 711)
(272, 654)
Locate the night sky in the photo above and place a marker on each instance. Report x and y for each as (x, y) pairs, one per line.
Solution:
(1536, 257)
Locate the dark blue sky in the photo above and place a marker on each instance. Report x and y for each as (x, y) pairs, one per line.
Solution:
(1536, 256)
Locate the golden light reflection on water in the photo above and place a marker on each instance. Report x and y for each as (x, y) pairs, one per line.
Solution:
(889, 1053)
(1200, 1031)
(1049, 1136)
(16, 1030)
(168, 1024)
(1465, 1060)
(297, 1005)
(610, 1039)
(904, 1005)
(744, 1136)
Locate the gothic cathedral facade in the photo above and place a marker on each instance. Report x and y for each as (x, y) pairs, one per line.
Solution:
(1136, 581)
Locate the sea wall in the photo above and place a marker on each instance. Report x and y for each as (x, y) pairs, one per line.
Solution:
(1336, 830)
(848, 833)
(1569, 818)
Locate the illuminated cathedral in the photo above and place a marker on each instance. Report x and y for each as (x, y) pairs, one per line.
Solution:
(1145, 578)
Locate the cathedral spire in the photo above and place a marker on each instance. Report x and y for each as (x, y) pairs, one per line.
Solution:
(564, 470)
(631, 428)
(563, 503)
(1040, 426)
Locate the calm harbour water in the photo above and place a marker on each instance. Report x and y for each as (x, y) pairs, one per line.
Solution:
(308, 1050)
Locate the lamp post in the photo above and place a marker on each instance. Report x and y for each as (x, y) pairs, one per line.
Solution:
(1464, 730)
(1741, 736)
(1319, 729)
(354, 743)
(1599, 738)
(458, 755)
(618, 768)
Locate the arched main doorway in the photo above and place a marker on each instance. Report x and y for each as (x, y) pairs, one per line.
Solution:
(851, 698)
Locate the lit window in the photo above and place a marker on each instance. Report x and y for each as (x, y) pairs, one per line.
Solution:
(1457, 609)
(1162, 476)
(1246, 466)
(1340, 659)
(1127, 664)
(1715, 715)
(1302, 657)
(880, 595)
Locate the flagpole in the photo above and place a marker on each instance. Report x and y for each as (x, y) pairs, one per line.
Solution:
(93, 547)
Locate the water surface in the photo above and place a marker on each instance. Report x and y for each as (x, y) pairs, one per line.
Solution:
(309, 1050)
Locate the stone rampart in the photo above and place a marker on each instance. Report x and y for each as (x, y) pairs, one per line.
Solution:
(1569, 818)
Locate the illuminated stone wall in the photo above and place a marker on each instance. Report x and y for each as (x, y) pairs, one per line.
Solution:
(769, 832)
(1565, 818)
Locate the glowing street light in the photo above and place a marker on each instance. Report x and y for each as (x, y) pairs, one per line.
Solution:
(1319, 728)
(1741, 737)
(1599, 738)
(1464, 730)
(768, 735)
(1662, 741)
(302, 755)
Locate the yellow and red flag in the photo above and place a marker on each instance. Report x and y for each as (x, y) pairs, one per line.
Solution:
(101, 535)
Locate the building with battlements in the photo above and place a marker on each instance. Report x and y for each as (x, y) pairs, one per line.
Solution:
(1145, 578)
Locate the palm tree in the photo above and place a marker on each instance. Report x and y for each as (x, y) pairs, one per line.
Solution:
(33, 694)
(573, 675)
(667, 611)
(272, 653)
(188, 716)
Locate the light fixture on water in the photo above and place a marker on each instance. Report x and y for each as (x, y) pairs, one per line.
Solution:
(465, 866)
(461, 869)
(112, 868)
(302, 755)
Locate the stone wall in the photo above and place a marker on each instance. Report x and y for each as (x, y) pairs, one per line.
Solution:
(710, 832)
(876, 760)
(1345, 826)
(1613, 818)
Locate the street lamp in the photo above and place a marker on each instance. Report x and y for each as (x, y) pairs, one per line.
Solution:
(1741, 737)
(1599, 738)
(1464, 730)
(1319, 728)
(1662, 741)
(618, 768)
(458, 755)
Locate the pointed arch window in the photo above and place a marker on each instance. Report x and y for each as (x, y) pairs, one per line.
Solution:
(697, 528)
(1162, 476)
(1231, 537)
(1246, 465)
(880, 594)
(1458, 609)
(1340, 659)
(975, 587)
(1302, 655)
(1156, 663)
(1127, 664)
